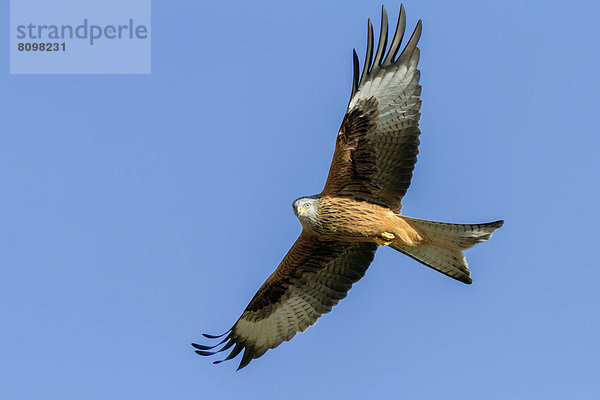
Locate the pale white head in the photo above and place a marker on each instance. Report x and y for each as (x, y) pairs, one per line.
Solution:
(306, 209)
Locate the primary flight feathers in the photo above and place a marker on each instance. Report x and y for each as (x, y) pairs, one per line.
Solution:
(358, 209)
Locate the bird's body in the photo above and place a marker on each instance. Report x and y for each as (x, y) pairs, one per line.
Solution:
(358, 209)
(350, 220)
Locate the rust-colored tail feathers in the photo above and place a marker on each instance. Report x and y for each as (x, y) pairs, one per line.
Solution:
(442, 249)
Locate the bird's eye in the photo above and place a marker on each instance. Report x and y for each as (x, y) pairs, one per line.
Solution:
(306, 205)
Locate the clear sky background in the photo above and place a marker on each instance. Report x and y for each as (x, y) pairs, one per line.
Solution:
(140, 211)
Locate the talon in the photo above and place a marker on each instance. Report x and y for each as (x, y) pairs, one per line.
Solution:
(388, 236)
(380, 241)
(385, 239)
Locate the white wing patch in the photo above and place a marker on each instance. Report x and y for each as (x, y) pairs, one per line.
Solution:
(397, 93)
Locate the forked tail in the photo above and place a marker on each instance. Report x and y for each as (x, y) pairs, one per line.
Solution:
(444, 243)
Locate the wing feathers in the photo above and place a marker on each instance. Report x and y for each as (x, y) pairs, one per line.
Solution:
(206, 335)
(412, 44)
(313, 277)
(369, 53)
(246, 358)
(383, 33)
(398, 35)
(356, 71)
(377, 144)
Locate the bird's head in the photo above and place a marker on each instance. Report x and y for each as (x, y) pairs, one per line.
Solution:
(306, 208)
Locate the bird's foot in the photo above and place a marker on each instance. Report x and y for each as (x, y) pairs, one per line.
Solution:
(385, 239)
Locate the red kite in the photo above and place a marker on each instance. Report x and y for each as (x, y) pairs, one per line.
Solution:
(358, 209)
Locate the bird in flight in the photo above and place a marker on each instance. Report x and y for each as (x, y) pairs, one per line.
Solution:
(359, 208)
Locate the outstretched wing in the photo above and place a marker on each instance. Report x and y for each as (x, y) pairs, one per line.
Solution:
(377, 145)
(313, 277)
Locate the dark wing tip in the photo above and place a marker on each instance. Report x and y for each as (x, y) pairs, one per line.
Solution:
(411, 46)
(497, 224)
(201, 347)
(355, 67)
(246, 358)
(204, 347)
(397, 39)
(382, 59)
(206, 335)
(369, 53)
(383, 34)
(206, 353)
(419, 28)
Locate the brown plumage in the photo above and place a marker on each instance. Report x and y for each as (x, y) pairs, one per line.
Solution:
(358, 209)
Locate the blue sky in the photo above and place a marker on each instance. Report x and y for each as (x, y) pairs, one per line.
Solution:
(140, 211)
